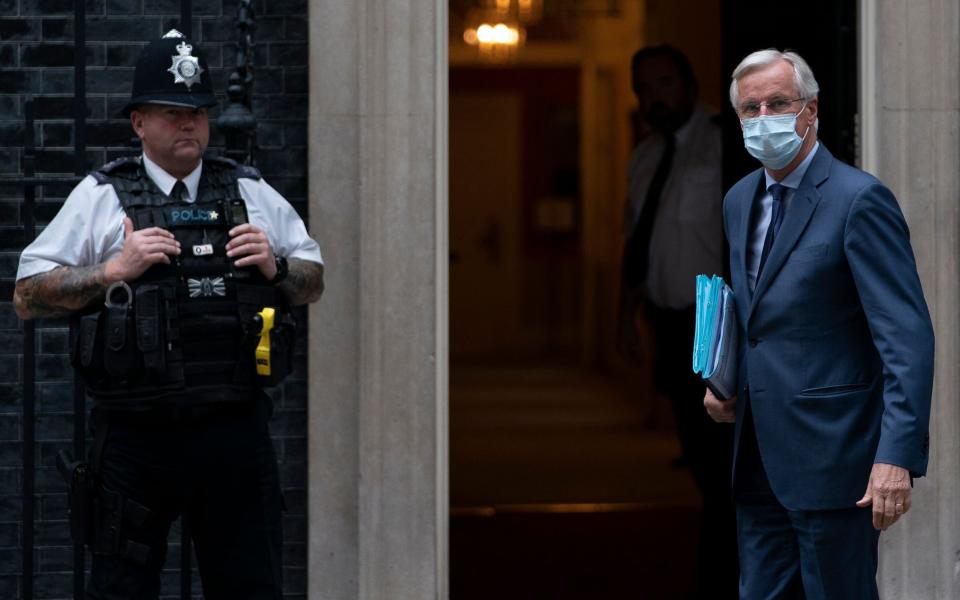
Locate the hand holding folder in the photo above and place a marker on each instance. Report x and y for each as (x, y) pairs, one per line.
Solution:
(715, 339)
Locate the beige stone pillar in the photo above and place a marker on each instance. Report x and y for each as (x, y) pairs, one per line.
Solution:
(377, 414)
(910, 123)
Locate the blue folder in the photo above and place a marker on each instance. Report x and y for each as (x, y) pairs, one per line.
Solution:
(715, 338)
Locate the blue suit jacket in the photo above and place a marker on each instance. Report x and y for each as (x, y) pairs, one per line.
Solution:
(836, 346)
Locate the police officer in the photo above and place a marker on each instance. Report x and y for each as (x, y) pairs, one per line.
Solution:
(177, 271)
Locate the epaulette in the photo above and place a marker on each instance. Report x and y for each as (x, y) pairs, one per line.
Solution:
(124, 163)
(242, 171)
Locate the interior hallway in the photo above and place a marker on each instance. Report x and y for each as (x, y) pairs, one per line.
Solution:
(559, 491)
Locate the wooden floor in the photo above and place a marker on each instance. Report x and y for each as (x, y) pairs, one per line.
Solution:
(559, 491)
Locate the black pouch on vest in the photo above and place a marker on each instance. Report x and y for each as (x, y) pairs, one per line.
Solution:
(89, 349)
(105, 348)
(119, 357)
(151, 327)
(84, 342)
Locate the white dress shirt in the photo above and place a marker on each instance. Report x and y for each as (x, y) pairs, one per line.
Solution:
(88, 230)
(762, 220)
(687, 235)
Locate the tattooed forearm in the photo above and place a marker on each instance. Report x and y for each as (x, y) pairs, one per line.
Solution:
(304, 282)
(59, 292)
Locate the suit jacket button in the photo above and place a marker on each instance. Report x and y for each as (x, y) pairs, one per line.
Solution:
(754, 342)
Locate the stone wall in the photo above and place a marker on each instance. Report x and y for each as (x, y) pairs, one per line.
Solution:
(36, 59)
(378, 343)
(911, 134)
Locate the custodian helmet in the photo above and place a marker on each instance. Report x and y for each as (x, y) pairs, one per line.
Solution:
(171, 71)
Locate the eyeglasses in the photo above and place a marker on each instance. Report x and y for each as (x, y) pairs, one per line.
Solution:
(776, 106)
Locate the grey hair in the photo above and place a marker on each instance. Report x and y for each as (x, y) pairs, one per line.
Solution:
(807, 85)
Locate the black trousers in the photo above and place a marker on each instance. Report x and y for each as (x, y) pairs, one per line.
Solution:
(707, 447)
(219, 470)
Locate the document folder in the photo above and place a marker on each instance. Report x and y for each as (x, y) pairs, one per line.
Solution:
(715, 337)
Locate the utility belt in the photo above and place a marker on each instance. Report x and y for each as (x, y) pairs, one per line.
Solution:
(148, 345)
(181, 417)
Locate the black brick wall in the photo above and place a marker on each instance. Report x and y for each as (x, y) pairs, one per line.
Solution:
(36, 58)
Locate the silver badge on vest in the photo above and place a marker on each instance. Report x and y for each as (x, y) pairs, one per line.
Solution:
(206, 287)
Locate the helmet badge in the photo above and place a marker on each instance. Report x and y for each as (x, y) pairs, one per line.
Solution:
(186, 69)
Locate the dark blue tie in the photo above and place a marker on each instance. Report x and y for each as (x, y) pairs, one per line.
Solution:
(776, 219)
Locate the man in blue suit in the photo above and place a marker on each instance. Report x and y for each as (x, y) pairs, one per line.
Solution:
(836, 353)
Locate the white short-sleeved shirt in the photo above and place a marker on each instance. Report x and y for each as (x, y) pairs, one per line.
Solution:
(687, 234)
(88, 230)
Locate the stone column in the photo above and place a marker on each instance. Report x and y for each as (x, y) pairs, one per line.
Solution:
(378, 357)
(910, 123)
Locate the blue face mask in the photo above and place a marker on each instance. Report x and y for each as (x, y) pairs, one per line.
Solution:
(773, 139)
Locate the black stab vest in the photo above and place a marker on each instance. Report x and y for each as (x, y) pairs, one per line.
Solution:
(187, 332)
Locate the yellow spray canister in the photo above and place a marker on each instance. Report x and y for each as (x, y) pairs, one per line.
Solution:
(263, 347)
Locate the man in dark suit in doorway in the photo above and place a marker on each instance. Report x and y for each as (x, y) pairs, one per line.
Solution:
(836, 350)
(673, 232)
